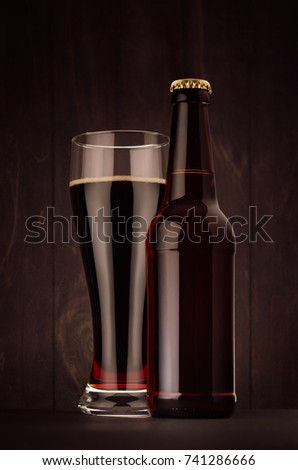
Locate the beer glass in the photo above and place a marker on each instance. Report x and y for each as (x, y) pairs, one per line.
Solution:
(117, 183)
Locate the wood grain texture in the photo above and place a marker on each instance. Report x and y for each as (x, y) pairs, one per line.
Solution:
(104, 78)
(226, 58)
(72, 67)
(274, 154)
(26, 189)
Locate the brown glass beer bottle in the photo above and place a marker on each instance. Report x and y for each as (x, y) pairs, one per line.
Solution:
(190, 275)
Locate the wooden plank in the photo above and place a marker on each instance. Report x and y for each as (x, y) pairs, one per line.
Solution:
(250, 429)
(76, 104)
(26, 374)
(226, 48)
(87, 98)
(274, 191)
(110, 67)
(106, 64)
(115, 73)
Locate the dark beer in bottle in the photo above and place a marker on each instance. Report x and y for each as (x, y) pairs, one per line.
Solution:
(190, 275)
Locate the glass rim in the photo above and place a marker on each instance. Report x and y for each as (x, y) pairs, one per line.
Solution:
(164, 143)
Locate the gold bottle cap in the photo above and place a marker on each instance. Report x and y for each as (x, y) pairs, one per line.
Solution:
(188, 83)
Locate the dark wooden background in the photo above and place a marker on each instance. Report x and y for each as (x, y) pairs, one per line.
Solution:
(74, 66)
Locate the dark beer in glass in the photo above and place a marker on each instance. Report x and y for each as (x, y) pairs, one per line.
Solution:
(117, 184)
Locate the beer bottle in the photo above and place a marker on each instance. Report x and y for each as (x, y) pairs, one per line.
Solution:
(190, 274)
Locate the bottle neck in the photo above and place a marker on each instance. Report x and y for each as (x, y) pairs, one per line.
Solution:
(191, 172)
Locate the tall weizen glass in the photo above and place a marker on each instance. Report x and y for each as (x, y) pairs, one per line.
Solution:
(117, 183)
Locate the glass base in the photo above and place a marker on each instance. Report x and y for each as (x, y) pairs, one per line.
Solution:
(117, 403)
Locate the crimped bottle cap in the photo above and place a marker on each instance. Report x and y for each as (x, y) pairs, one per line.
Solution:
(191, 83)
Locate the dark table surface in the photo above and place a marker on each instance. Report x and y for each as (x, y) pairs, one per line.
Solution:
(247, 429)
